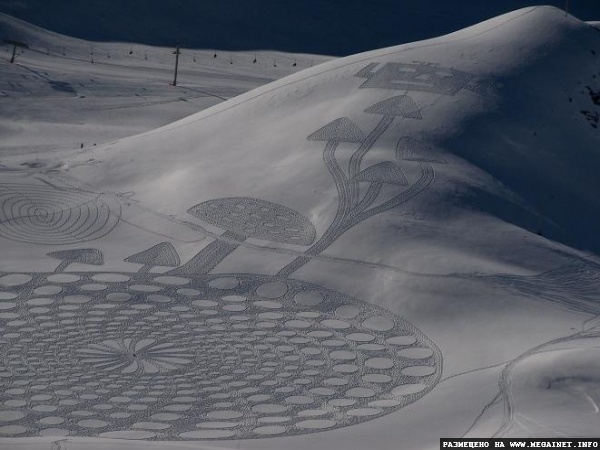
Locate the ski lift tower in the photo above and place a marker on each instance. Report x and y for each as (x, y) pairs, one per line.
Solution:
(176, 53)
(15, 44)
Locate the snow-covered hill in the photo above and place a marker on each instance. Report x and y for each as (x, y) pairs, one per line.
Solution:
(63, 92)
(396, 246)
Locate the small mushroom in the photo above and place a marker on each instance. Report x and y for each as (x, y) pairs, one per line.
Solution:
(410, 149)
(379, 174)
(384, 172)
(398, 106)
(90, 256)
(340, 130)
(242, 218)
(163, 254)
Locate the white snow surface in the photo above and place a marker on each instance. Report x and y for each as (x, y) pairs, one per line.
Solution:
(441, 193)
(95, 92)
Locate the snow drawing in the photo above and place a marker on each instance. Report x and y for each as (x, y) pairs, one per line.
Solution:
(41, 214)
(418, 77)
(163, 254)
(352, 208)
(186, 354)
(154, 356)
(242, 218)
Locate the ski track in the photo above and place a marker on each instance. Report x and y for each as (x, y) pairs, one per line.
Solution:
(505, 394)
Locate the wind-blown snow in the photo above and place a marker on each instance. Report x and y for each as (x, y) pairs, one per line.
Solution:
(396, 246)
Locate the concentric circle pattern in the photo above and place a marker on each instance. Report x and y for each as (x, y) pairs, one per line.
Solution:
(147, 356)
(41, 215)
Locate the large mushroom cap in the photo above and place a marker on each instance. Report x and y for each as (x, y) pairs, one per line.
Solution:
(256, 218)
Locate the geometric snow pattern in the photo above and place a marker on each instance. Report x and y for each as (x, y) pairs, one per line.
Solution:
(410, 149)
(367, 71)
(256, 218)
(418, 77)
(384, 172)
(152, 356)
(340, 130)
(400, 105)
(163, 254)
(134, 355)
(38, 215)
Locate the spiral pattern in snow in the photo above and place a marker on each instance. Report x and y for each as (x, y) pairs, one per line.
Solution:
(42, 215)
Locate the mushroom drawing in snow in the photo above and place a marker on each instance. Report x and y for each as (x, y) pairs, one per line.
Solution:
(410, 149)
(243, 218)
(383, 172)
(377, 175)
(163, 254)
(398, 106)
(90, 256)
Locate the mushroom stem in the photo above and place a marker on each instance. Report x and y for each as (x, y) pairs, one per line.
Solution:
(358, 214)
(427, 177)
(339, 177)
(357, 157)
(370, 196)
(210, 256)
(62, 266)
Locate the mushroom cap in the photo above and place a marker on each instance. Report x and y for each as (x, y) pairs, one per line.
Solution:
(163, 254)
(80, 255)
(384, 172)
(256, 218)
(398, 106)
(410, 149)
(340, 130)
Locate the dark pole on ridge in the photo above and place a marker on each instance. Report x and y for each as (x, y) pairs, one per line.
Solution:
(177, 53)
(15, 44)
(14, 52)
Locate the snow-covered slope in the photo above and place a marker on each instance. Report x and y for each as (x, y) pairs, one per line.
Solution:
(515, 106)
(392, 247)
(58, 86)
